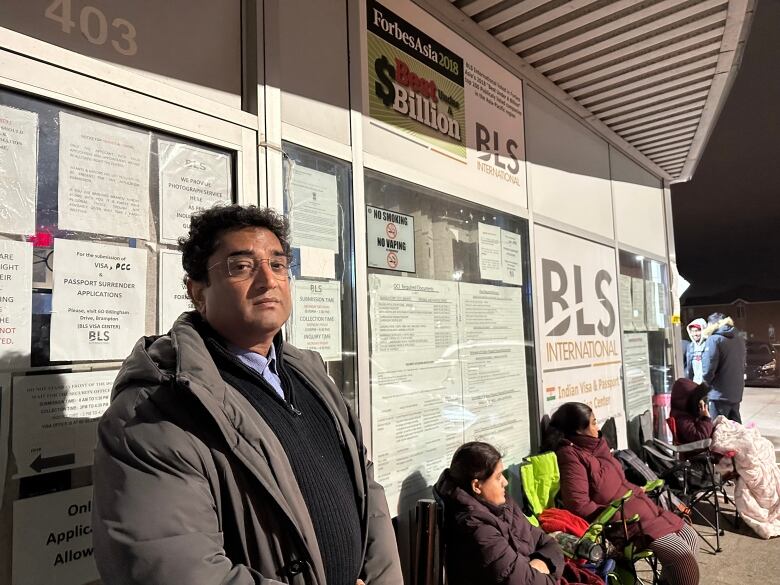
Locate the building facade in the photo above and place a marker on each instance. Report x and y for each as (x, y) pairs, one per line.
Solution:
(469, 252)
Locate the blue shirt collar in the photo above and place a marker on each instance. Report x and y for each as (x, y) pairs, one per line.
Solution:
(256, 361)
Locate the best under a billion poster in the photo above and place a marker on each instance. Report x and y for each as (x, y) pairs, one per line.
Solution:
(415, 83)
(437, 104)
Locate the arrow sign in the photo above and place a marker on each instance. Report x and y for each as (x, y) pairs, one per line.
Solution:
(42, 463)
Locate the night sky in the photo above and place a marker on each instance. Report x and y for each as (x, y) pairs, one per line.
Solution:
(727, 218)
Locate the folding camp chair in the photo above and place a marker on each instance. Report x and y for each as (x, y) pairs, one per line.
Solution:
(541, 485)
(689, 470)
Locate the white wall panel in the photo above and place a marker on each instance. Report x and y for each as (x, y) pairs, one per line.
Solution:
(568, 168)
(639, 205)
(313, 66)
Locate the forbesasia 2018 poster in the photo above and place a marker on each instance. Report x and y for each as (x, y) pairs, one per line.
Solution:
(415, 83)
(437, 105)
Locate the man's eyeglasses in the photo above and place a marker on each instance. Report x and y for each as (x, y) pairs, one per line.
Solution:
(240, 268)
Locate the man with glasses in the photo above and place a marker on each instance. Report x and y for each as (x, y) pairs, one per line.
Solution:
(228, 455)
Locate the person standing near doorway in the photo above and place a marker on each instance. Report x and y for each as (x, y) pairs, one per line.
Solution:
(723, 366)
(695, 350)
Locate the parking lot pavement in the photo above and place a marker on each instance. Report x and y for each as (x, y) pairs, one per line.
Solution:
(746, 558)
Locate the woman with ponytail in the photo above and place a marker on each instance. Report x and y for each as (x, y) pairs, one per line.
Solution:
(591, 478)
(489, 541)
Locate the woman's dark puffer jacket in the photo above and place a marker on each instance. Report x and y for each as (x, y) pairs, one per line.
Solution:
(491, 545)
(591, 478)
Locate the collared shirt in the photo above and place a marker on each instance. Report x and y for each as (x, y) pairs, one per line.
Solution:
(265, 366)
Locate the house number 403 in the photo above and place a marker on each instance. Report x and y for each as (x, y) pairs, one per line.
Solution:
(93, 24)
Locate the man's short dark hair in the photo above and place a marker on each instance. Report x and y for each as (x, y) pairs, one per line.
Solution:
(715, 317)
(206, 226)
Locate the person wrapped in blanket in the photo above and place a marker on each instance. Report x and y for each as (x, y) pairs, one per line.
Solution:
(740, 452)
(591, 478)
(488, 539)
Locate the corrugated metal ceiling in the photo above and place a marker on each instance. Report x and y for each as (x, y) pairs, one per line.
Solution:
(654, 72)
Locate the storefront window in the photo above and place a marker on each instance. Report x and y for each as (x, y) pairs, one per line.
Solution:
(318, 202)
(451, 332)
(647, 335)
(101, 204)
(90, 210)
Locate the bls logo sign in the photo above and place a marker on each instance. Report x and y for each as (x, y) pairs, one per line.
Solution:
(558, 321)
(491, 145)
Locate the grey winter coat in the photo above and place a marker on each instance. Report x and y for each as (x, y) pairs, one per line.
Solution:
(191, 485)
(723, 361)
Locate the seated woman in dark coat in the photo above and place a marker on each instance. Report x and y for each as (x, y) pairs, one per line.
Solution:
(489, 540)
(591, 478)
(689, 411)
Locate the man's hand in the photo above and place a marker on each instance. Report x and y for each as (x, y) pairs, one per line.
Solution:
(540, 566)
(360, 582)
(703, 410)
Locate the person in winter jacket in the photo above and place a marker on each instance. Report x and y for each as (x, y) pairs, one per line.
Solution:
(696, 347)
(690, 412)
(488, 539)
(228, 456)
(723, 366)
(591, 478)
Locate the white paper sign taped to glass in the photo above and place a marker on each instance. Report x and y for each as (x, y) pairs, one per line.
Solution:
(511, 257)
(316, 317)
(18, 170)
(99, 304)
(390, 236)
(489, 252)
(191, 179)
(314, 210)
(55, 419)
(438, 105)
(638, 300)
(626, 303)
(580, 350)
(173, 299)
(52, 541)
(492, 357)
(103, 178)
(417, 407)
(636, 363)
(15, 303)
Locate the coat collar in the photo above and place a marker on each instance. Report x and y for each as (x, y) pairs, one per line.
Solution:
(595, 445)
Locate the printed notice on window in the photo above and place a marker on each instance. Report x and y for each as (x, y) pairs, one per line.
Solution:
(191, 179)
(511, 258)
(103, 178)
(638, 301)
(636, 365)
(173, 299)
(15, 303)
(415, 380)
(55, 419)
(99, 304)
(492, 354)
(626, 303)
(316, 317)
(314, 209)
(18, 175)
(489, 252)
(53, 539)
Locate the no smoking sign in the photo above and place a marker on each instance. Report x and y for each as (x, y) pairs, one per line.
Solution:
(390, 239)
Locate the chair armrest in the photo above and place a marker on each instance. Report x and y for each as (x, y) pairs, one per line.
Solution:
(695, 446)
(659, 452)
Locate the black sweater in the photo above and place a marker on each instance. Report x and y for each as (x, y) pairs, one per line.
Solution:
(307, 432)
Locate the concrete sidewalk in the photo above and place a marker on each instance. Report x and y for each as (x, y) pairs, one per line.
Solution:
(746, 559)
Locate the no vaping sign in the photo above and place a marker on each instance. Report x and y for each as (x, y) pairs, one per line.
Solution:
(390, 239)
